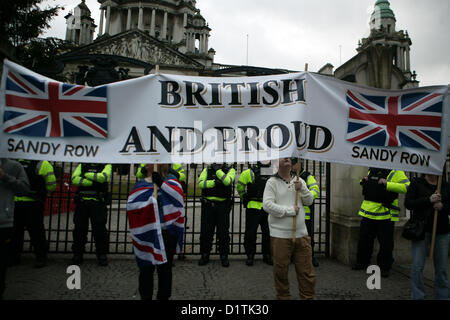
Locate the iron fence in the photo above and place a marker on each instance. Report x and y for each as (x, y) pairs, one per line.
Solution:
(60, 206)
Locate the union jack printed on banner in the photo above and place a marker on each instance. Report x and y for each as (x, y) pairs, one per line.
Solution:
(408, 120)
(147, 222)
(42, 108)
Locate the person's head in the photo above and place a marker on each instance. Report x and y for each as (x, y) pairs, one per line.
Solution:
(163, 169)
(430, 176)
(284, 164)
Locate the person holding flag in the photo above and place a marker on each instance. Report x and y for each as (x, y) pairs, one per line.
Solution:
(155, 210)
(423, 199)
(284, 198)
(313, 187)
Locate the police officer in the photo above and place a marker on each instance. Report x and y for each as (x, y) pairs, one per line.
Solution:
(313, 187)
(216, 182)
(29, 210)
(379, 212)
(250, 187)
(92, 197)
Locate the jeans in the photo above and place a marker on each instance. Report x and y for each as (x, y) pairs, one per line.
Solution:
(440, 258)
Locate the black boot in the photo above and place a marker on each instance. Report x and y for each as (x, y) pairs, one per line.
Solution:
(315, 262)
(224, 261)
(77, 259)
(203, 260)
(102, 260)
(250, 259)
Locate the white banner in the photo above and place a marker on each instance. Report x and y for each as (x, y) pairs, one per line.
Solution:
(184, 119)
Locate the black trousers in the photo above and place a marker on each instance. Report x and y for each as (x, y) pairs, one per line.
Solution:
(95, 211)
(215, 214)
(309, 226)
(5, 239)
(29, 215)
(253, 219)
(146, 282)
(383, 230)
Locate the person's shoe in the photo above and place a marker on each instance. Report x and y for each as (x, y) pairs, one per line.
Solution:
(77, 259)
(40, 262)
(267, 259)
(225, 262)
(315, 262)
(385, 273)
(203, 260)
(359, 266)
(102, 260)
(181, 256)
(250, 260)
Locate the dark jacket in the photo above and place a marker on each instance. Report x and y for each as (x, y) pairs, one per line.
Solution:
(418, 201)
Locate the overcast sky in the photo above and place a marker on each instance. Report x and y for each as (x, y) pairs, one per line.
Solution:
(289, 33)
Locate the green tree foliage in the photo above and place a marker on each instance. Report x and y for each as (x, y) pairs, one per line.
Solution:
(23, 20)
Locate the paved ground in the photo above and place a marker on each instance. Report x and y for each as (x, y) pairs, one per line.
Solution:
(118, 281)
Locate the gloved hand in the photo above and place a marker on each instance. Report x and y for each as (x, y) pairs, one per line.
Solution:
(157, 179)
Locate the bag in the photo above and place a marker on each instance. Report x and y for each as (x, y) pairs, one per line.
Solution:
(414, 229)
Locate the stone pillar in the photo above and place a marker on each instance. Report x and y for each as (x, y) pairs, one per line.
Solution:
(129, 19)
(185, 19)
(402, 58)
(100, 30)
(152, 23)
(200, 44)
(108, 19)
(408, 63)
(141, 18)
(164, 27)
(206, 43)
(346, 198)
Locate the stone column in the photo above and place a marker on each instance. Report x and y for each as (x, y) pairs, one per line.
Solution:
(164, 27)
(185, 19)
(100, 30)
(152, 23)
(346, 198)
(108, 19)
(129, 19)
(200, 44)
(141, 18)
(408, 63)
(206, 43)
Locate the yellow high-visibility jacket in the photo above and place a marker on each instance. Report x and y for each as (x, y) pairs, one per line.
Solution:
(227, 180)
(397, 182)
(45, 172)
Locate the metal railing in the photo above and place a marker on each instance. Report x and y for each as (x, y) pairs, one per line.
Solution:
(60, 206)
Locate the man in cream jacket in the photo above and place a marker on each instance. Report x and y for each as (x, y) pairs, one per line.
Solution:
(289, 241)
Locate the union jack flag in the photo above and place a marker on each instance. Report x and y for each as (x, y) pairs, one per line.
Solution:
(409, 120)
(43, 108)
(147, 222)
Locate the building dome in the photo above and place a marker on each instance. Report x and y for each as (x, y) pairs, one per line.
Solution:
(382, 10)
